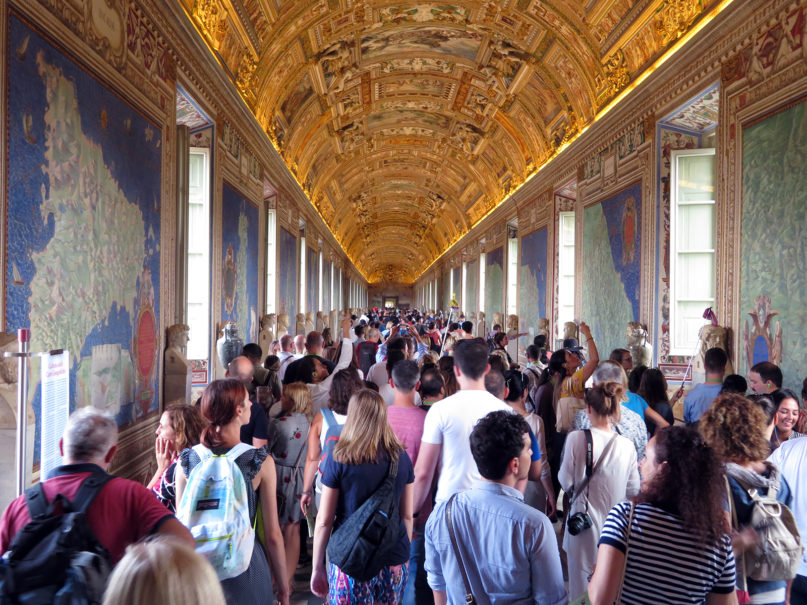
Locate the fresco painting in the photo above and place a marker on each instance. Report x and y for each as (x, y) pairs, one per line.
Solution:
(532, 280)
(774, 231)
(457, 293)
(422, 39)
(297, 99)
(326, 286)
(287, 276)
(82, 229)
(611, 264)
(312, 280)
(494, 283)
(239, 240)
(471, 287)
(399, 116)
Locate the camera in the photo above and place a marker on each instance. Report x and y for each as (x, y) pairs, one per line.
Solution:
(578, 522)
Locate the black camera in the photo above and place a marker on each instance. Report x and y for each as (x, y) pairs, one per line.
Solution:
(578, 522)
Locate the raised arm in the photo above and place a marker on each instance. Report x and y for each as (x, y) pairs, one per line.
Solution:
(593, 355)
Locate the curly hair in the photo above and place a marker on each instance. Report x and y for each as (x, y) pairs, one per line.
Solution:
(735, 428)
(690, 478)
(188, 424)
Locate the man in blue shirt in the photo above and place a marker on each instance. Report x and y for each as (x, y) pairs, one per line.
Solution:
(700, 398)
(508, 549)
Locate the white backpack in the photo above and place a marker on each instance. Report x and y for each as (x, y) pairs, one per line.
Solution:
(215, 508)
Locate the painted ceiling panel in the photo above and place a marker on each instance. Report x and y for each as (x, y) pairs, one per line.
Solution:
(405, 123)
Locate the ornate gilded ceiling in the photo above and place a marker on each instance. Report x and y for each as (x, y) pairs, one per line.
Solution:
(406, 123)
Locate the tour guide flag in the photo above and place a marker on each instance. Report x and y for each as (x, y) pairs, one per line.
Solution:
(455, 306)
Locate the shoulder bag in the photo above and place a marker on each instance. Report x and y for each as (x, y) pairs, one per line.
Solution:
(362, 545)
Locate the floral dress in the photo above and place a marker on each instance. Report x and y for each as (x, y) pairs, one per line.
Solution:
(289, 447)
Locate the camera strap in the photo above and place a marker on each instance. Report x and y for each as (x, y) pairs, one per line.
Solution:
(589, 457)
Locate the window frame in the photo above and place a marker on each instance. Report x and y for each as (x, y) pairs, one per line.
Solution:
(677, 347)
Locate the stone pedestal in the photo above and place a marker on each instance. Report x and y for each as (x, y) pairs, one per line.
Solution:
(177, 379)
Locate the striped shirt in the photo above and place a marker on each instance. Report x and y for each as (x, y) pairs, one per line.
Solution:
(666, 564)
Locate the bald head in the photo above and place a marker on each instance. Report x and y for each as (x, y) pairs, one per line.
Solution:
(299, 344)
(241, 368)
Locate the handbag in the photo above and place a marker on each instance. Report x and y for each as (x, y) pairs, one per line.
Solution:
(583, 598)
(362, 545)
(469, 597)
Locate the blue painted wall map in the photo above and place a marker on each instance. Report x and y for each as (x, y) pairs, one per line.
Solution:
(611, 265)
(239, 235)
(83, 228)
(532, 280)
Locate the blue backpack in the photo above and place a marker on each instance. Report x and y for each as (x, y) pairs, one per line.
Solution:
(215, 509)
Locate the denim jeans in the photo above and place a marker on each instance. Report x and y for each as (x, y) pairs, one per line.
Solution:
(417, 591)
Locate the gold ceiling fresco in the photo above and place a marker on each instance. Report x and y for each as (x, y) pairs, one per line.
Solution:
(406, 123)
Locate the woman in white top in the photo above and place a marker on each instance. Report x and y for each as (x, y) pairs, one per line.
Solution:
(615, 477)
(314, 373)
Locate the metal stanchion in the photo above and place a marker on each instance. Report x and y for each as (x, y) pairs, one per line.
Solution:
(23, 342)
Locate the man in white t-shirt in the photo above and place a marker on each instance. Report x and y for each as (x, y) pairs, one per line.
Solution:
(449, 423)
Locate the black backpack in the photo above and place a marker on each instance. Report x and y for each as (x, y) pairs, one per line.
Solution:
(56, 558)
(362, 545)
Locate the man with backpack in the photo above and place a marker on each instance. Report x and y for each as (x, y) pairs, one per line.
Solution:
(119, 512)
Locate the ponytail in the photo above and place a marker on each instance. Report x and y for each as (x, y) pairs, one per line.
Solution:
(604, 398)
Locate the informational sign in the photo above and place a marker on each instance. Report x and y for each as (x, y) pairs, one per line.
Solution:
(55, 408)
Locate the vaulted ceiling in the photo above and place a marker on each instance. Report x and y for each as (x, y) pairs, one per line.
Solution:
(406, 123)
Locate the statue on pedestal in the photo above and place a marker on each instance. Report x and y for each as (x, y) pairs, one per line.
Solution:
(571, 330)
(267, 333)
(543, 328)
(640, 349)
(299, 323)
(482, 328)
(497, 320)
(177, 378)
(282, 324)
(309, 322)
(322, 321)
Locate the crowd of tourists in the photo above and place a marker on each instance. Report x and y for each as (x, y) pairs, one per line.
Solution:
(428, 466)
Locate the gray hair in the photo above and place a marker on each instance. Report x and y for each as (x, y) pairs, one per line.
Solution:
(610, 371)
(89, 434)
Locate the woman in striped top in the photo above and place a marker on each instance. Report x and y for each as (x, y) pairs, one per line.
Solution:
(675, 536)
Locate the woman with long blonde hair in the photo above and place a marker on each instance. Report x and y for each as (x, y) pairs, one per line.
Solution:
(353, 469)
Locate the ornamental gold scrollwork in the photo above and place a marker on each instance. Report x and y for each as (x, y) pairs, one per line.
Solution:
(212, 18)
